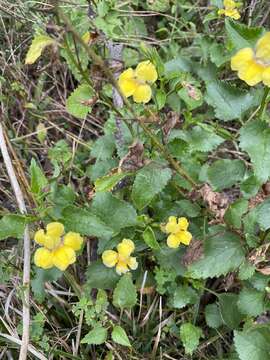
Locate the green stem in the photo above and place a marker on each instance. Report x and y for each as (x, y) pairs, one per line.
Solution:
(73, 283)
(108, 73)
(263, 103)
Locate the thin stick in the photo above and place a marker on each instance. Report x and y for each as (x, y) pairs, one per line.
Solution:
(26, 244)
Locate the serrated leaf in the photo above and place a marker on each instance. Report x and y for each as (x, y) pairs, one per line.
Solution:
(101, 277)
(40, 278)
(184, 295)
(229, 311)
(224, 173)
(125, 295)
(116, 213)
(262, 214)
(78, 101)
(39, 43)
(253, 343)
(119, 336)
(189, 208)
(212, 316)
(12, 225)
(222, 253)
(97, 336)
(149, 238)
(103, 148)
(246, 271)
(149, 181)
(228, 101)
(251, 302)
(242, 35)
(190, 336)
(108, 182)
(84, 222)
(255, 140)
(38, 179)
(234, 213)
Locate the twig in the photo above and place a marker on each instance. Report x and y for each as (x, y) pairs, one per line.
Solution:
(26, 244)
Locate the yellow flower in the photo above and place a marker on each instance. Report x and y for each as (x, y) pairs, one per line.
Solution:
(136, 82)
(121, 258)
(230, 9)
(253, 65)
(177, 230)
(58, 250)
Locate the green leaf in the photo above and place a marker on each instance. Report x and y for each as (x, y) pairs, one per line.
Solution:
(97, 336)
(103, 148)
(78, 100)
(234, 213)
(242, 35)
(199, 138)
(12, 225)
(101, 277)
(119, 336)
(100, 168)
(169, 259)
(108, 182)
(190, 336)
(250, 187)
(246, 270)
(229, 311)
(38, 179)
(262, 214)
(255, 140)
(222, 253)
(189, 208)
(125, 295)
(191, 102)
(85, 222)
(40, 278)
(160, 99)
(149, 181)
(253, 343)
(39, 43)
(212, 316)
(224, 173)
(61, 152)
(116, 213)
(228, 101)
(251, 302)
(149, 238)
(184, 295)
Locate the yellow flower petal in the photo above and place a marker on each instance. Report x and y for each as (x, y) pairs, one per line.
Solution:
(183, 223)
(132, 263)
(127, 82)
(241, 59)
(43, 258)
(125, 248)
(229, 3)
(172, 226)
(55, 229)
(266, 76)
(121, 268)
(173, 241)
(109, 258)
(142, 94)
(221, 12)
(73, 240)
(63, 256)
(184, 237)
(232, 13)
(252, 75)
(40, 237)
(146, 71)
(263, 48)
(51, 242)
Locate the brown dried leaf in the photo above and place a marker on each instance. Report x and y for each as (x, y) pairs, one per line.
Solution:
(265, 270)
(171, 120)
(134, 158)
(217, 202)
(194, 252)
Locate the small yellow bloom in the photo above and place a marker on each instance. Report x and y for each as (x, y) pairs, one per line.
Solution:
(230, 9)
(177, 230)
(121, 258)
(57, 250)
(136, 82)
(253, 65)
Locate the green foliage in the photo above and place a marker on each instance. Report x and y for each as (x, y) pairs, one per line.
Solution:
(108, 182)
(213, 316)
(96, 336)
(78, 101)
(251, 302)
(119, 336)
(125, 295)
(190, 336)
(12, 225)
(38, 179)
(39, 280)
(100, 276)
(229, 310)
(183, 296)
(149, 238)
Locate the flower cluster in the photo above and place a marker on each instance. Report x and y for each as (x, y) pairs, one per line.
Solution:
(121, 258)
(177, 230)
(57, 249)
(230, 9)
(136, 82)
(253, 65)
